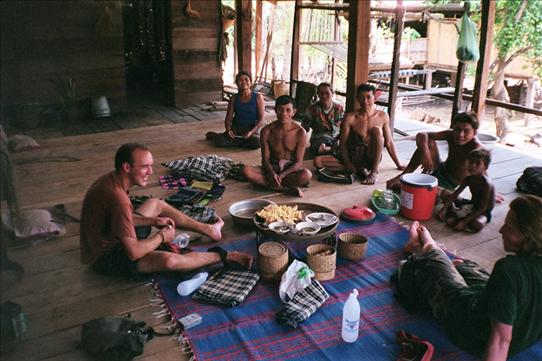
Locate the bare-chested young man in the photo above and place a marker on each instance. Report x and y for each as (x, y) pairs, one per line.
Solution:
(283, 146)
(461, 139)
(363, 135)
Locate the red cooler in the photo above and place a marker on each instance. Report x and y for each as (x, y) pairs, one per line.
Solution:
(418, 193)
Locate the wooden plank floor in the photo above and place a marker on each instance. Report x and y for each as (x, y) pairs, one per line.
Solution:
(58, 294)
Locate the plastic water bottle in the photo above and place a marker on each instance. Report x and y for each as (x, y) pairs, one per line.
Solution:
(351, 314)
(182, 240)
(187, 287)
(389, 199)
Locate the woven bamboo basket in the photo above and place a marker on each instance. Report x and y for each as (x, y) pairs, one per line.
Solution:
(272, 260)
(352, 246)
(322, 259)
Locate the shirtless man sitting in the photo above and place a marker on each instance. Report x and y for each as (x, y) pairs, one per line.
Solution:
(461, 139)
(363, 135)
(283, 146)
(109, 224)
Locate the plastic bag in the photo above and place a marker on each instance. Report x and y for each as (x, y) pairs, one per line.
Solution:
(295, 279)
(467, 45)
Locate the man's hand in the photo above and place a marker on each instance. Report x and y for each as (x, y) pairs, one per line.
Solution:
(275, 181)
(163, 222)
(169, 233)
(401, 167)
(427, 164)
(231, 134)
(249, 134)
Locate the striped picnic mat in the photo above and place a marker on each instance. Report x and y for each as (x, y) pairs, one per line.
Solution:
(250, 331)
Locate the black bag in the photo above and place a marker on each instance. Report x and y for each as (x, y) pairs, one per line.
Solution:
(114, 338)
(531, 181)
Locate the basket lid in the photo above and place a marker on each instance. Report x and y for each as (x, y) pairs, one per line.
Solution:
(359, 213)
(272, 249)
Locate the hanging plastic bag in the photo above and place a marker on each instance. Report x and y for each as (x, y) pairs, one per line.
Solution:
(295, 279)
(467, 45)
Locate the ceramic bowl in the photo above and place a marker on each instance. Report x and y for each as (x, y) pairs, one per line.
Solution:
(243, 212)
(280, 227)
(307, 228)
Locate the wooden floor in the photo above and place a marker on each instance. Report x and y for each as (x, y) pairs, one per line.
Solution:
(58, 294)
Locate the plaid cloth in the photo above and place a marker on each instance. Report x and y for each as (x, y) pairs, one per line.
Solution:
(171, 182)
(204, 167)
(227, 288)
(303, 305)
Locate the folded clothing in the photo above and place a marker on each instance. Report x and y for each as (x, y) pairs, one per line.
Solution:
(303, 305)
(227, 287)
(185, 195)
(172, 182)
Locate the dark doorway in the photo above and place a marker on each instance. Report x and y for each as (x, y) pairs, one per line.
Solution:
(147, 51)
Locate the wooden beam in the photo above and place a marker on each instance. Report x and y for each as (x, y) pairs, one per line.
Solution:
(359, 28)
(259, 34)
(482, 68)
(395, 64)
(244, 34)
(294, 63)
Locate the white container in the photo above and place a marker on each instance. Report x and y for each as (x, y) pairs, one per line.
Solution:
(351, 314)
(187, 287)
(100, 107)
(182, 240)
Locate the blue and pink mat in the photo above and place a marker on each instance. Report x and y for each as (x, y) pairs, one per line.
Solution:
(250, 331)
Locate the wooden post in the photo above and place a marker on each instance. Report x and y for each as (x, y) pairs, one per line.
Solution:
(244, 34)
(259, 35)
(395, 64)
(294, 63)
(482, 68)
(458, 94)
(359, 28)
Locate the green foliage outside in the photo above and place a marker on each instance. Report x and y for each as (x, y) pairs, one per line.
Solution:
(518, 29)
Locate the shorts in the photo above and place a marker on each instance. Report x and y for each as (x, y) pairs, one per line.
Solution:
(444, 180)
(280, 165)
(115, 262)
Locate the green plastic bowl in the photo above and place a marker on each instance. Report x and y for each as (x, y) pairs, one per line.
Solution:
(389, 212)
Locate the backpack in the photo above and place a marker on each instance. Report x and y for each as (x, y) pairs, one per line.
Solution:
(531, 181)
(115, 338)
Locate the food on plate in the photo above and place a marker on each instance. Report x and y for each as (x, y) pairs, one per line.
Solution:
(273, 213)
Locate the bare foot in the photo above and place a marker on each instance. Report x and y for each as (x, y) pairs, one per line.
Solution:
(394, 183)
(215, 230)
(426, 239)
(414, 245)
(243, 259)
(371, 178)
(294, 191)
(499, 198)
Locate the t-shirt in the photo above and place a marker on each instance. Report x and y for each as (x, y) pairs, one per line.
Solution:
(106, 217)
(513, 295)
(323, 123)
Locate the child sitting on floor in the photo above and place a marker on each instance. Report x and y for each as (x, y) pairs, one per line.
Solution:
(472, 215)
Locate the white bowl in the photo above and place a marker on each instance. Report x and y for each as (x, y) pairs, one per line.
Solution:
(281, 227)
(307, 228)
(488, 140)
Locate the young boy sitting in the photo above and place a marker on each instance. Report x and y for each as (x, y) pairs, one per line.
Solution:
(283, 146)
(461, 139)
(474, 214)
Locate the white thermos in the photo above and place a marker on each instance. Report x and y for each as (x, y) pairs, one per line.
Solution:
(351, 314)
